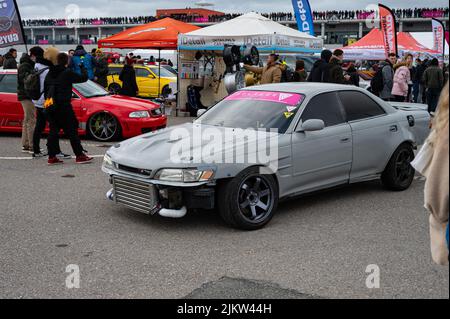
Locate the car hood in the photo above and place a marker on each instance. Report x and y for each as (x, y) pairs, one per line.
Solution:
(172, 79)
(121, 101)
(156, 150)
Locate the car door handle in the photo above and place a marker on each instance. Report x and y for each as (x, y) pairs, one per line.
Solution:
(393, 128)
(345, 140)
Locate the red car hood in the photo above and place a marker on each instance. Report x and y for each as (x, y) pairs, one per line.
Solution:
(134, 104)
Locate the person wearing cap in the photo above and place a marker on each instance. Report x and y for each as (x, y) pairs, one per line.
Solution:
(271, 73)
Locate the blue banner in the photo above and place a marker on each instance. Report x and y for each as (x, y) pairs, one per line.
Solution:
(11, 31)
(303, 14)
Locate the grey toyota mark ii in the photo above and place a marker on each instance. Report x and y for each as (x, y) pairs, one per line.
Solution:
(326, 135)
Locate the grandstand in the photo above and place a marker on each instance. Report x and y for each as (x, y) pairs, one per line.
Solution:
(335, 27)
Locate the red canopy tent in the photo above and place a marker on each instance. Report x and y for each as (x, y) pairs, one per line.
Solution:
(161, 35)
(371, 47)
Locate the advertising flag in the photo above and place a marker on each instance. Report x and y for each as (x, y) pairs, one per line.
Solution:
(11, 30)
(303, 15)
(438, 36)
(389, 28)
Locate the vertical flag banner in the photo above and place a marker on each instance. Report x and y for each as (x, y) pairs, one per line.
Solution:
(11, 30)
(389, 28)
(438, 36)
(303, 15)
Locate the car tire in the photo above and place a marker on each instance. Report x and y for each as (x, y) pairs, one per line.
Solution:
(241, 200)
(114, 88)
(104, 120)
(165, 92)
(399, 174)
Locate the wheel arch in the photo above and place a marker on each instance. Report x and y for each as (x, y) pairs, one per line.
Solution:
(405, 142)
(99, 111)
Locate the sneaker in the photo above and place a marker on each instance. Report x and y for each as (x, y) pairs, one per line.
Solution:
(83, 159)
(32, 152)
(64, 156)
(26, 150)
(39, 155)
(54, 161)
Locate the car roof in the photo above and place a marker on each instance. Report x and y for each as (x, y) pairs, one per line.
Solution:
(306, 88)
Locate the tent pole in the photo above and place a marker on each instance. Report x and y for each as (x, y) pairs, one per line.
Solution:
(159, 72)
(178, 82)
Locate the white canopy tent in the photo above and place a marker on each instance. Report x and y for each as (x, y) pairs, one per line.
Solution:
(251, 29)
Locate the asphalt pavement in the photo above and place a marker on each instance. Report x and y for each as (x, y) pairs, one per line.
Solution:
(318, 246)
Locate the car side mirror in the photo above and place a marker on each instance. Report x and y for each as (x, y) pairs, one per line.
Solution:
(151, 76)
(312, 126)
(201, 112)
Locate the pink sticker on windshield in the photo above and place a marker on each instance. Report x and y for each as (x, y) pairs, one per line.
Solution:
(278, 97)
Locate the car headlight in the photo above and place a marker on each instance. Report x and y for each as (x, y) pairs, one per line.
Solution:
(107, 161)
(184, 175)
(139, 114)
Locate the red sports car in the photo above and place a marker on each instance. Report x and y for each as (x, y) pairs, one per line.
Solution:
(102, 116)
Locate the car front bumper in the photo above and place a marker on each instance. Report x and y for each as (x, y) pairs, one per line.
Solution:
(152, 197)
(136, 127)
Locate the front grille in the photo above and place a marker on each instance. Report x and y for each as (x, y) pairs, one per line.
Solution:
(138, 171)
(137, 195)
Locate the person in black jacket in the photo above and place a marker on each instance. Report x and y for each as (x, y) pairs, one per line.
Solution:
(336, 72)
(101, 70)
(58, 88)
(417, 81)
(128, 78)
(10, 62)
(354, 76)
(320, 70)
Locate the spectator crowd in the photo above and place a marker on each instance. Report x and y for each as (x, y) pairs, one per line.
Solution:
(276, 16)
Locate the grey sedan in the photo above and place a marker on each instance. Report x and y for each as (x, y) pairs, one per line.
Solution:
(264, 144)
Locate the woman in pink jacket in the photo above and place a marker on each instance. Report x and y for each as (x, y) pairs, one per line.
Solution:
(402, 78)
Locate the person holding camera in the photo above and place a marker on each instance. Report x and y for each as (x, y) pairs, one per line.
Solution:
(58, 97)
(271, 73)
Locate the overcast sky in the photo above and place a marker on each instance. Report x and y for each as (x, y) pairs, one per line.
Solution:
(99, 8)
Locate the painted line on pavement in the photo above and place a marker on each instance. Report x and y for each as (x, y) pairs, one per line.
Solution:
(31, 158)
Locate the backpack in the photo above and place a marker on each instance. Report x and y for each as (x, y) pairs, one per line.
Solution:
(377, 82)
(32, 84)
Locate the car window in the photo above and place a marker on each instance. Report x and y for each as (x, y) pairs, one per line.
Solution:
(8, 83)
(324, 107)
(140, 72)
(359, 106)
(254, 110)
(164, 73)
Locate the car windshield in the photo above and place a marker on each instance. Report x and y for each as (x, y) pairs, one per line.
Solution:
(254, 110)
(164, 73)
(90, 89)
(170, 69)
